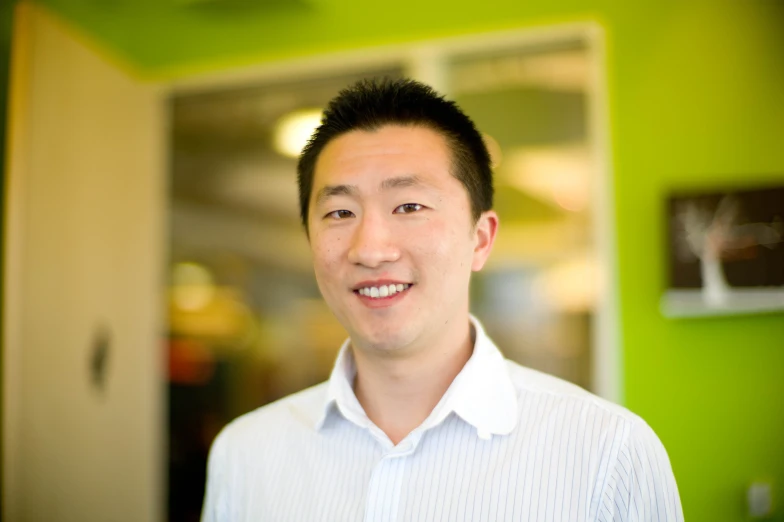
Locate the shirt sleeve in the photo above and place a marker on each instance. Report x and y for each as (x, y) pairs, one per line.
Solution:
(641, 487)
(216, 502)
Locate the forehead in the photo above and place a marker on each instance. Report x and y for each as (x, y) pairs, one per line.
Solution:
(367, 157)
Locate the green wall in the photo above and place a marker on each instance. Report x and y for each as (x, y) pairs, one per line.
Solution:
(697, 100)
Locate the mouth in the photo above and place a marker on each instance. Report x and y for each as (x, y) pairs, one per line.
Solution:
(380, 291)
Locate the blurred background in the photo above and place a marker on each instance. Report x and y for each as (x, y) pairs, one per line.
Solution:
(157, 282)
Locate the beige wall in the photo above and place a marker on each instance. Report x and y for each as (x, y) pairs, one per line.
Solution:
(84, 247)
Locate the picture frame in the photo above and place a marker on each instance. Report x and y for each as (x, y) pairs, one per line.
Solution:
(725, 252)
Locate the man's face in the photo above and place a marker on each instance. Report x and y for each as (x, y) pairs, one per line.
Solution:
(392, 237)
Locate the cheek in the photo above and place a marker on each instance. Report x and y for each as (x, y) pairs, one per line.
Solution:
(323, 259)
(446, 249)
(325, 274)
(326, 254)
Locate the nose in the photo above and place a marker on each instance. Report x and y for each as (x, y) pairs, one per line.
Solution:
(373, 242)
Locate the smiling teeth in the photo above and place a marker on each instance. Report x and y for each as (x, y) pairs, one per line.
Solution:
(383, 291)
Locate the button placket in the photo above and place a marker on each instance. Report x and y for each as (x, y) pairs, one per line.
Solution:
(385, 488)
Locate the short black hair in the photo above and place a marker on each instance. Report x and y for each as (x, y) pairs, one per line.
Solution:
(372, 103)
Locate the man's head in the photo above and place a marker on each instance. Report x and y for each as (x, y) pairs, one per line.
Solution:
(370, 104)
(397, 211)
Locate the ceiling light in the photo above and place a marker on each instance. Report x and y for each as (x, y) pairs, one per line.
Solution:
(559, 174)
(293, 131)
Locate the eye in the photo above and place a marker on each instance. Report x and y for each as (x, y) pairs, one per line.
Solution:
(339, 214)
(408, 208)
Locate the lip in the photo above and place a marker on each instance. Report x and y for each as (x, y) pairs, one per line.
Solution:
(381, 302)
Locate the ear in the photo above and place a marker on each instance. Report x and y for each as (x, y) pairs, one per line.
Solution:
(484, 235)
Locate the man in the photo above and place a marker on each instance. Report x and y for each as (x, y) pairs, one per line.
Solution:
(423, 419)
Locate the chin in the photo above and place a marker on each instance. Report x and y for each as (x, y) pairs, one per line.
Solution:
(383, 339)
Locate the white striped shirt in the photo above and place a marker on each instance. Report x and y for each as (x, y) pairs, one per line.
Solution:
(504, 443)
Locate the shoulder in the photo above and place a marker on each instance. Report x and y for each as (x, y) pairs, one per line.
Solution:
(533, 385)
(630, 436)
(635, 454)
(294, 412)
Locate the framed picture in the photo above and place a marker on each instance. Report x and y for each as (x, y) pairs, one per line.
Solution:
(725, 252)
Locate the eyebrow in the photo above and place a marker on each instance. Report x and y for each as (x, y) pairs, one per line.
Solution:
(350, 190)
(335, 190)
(400, 182)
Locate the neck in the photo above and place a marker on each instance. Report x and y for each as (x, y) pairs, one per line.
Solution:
(399, 393)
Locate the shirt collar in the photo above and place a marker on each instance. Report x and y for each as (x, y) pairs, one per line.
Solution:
(482, 394)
